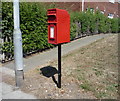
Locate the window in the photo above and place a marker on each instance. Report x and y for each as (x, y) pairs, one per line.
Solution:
(102, 12)
(97, 7)
(118, 1)
(112, 1)
(110, 15)
(90, 9)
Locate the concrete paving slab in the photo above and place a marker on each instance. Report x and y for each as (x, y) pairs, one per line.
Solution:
(0, 91)
(9, 92)
(6, 88)
(18, 95)
(7, 71)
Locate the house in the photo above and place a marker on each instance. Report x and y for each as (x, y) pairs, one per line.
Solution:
(109, 9)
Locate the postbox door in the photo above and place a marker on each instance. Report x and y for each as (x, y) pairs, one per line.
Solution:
(52, 32)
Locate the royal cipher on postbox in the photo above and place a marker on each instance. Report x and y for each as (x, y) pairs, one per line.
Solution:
(58, 26)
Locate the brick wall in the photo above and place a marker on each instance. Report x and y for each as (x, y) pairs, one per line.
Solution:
(69, 6)
(106, 7)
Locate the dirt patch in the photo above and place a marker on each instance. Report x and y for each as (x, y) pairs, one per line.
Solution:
(88, 73)
(45, 88)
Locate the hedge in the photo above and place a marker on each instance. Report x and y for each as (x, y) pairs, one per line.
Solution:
(33, 24)
(90, 22)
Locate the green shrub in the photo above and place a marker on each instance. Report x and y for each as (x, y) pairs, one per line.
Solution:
(8, 49)
(73, 31)
(33, 24)
(88, 22)
(34, 27)
(101, 22)
(7, 21)
(114, 25)
(118, 25)
(73, 26)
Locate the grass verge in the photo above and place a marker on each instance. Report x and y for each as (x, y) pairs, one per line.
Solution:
(95, 67)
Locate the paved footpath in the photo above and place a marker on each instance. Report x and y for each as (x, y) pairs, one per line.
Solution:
(9, 91)
(44, 57)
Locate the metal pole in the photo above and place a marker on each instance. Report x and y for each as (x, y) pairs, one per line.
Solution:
(59, 65)
(3, 54)
(82, 5)
(18, 51)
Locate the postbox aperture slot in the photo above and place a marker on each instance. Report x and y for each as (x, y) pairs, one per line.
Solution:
(52, 39)
(51, 18)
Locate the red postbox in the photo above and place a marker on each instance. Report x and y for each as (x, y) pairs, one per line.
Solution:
(58, 32)
(58, 26)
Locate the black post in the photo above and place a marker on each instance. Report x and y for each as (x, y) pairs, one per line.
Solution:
(59, 65)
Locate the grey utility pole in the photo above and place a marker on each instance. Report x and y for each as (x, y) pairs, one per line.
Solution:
(18, 51)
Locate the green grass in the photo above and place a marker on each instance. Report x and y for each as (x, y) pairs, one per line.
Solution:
(86, 86)
(94, 66)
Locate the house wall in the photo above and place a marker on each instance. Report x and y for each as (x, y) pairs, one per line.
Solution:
(106, 7)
